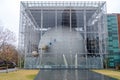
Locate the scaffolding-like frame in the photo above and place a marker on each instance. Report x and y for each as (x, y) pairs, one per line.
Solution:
(30, 33)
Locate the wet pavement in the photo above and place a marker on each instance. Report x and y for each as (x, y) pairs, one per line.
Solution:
(70, 75)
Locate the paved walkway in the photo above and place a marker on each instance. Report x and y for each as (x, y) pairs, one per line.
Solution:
(70, 75)
(9, 70)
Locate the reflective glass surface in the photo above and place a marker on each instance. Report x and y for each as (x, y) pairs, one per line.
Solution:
(63, 34)
(70, 75)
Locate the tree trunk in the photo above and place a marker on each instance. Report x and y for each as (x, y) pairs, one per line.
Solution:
(6, 67)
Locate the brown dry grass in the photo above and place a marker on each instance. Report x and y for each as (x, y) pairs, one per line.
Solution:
(19, 75)
(110, 73)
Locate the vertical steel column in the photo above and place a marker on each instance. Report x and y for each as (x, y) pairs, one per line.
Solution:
(105, 27)
(55, 32)
(70, 18)
(24, 33)
(100, 37)
(20, 35)
(25, 41)
(24, 20)
(70, 31)
(56, 18)
(41, 31)
(85, 25)
(106, 31)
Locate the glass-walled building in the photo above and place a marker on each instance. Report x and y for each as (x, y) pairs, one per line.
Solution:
(59, 35)
(113, 57)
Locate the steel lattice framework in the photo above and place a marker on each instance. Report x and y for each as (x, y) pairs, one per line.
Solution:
(63, 34)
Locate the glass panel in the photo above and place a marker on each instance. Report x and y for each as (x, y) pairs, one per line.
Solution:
(48, 18)
(73, 34)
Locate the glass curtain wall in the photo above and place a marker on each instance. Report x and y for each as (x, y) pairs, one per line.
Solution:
(71, 34)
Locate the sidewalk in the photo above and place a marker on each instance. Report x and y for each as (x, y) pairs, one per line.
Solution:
(9, 70)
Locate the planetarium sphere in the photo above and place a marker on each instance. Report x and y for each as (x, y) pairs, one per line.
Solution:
(62, 40)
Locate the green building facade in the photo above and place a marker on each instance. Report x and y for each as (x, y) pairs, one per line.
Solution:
(113, 41)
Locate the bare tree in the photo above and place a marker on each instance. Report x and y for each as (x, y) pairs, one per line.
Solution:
(9, 54)
(7, 50)
(6, 36)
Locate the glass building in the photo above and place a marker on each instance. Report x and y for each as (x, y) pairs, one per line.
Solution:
(63, 35)
(113, 40)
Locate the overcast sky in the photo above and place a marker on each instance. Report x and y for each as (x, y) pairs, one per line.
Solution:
(9, 11)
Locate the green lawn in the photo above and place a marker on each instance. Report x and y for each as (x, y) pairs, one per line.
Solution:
(19, 75)
(110, 73)
(30, 74)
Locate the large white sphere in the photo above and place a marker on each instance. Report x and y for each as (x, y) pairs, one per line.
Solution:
(62, 41)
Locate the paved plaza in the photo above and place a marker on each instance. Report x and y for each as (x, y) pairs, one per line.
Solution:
(70, 75)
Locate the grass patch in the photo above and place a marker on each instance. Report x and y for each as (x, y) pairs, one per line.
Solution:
(19, 75)
(31, 76)
(110, 73)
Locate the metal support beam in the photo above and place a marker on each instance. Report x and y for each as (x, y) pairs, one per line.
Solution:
(65, 61)
(85, 32)
(76, 61)
(70, 20)
(100, 37)
(61, 8)
(41, 35)
(32, 19)
(56, 18)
